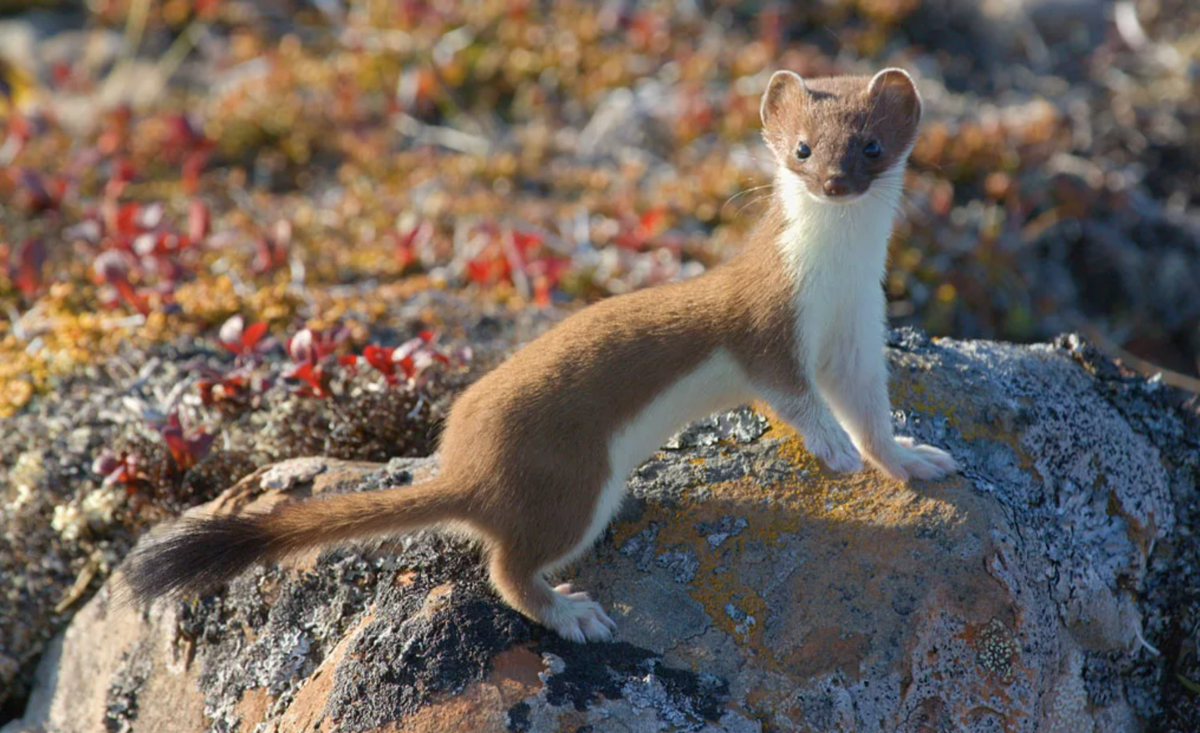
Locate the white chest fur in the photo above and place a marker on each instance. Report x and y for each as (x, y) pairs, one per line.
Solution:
(836, 255)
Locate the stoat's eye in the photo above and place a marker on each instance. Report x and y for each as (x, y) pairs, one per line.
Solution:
(872, 149)
(803, 151)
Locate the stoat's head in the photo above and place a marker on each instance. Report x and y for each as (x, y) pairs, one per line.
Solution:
(835, 137)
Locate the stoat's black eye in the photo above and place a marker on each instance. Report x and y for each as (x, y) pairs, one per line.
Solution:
(803, 151)
(872, 149)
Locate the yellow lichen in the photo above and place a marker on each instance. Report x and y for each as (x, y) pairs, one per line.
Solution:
(929, 397)
(996, 649)
(211, 300)
(773, 512)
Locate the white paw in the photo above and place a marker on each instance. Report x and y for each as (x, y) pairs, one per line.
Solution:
(576, 617)
(834, 449)
(914, 460)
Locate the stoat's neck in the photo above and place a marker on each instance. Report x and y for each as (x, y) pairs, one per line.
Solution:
(846, 242)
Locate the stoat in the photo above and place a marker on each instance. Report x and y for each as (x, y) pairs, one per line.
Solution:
(535, 455)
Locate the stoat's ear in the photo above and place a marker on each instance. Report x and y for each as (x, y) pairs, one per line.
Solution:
(897, 89)
(785, 87)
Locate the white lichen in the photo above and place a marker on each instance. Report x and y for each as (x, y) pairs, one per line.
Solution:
(69, 522)
(100, 506)
(27, 474)
(1068, 708)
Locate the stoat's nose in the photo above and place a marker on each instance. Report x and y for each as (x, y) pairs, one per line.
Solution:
(837, 186)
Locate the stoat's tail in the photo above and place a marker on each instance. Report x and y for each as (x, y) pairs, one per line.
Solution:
(199, 553)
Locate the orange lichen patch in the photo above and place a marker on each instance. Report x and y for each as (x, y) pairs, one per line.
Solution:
(16, 392)
(308, 705)
(826, 649)
(997, 654)
(866, 496)
(916, 395)
(482, 706)
(760, 698)
(438, 598)
(716, 590)
(253, 707)
(518, 668)
(774, 702)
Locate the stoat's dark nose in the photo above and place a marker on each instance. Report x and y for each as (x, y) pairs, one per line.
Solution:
(837, 186)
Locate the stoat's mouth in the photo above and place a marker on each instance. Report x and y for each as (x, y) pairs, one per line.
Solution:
(792, 188)
(835, 200)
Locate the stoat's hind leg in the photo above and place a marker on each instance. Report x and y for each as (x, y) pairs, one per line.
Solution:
(573, 615)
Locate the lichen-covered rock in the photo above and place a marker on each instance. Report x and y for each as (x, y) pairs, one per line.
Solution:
(754, 591)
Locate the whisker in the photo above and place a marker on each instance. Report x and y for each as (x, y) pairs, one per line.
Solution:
(836, 37)
(739, 194)
(750, 203)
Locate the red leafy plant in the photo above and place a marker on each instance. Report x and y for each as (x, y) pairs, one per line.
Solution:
(236, 387)
(271, 249)
(113, 269)
(187, 446)
(20, 129)
(404, 365)
(639, 232)
(310, 352)
(407, 362)
(182, 143)
(119, 467)
(137, 253)
(314, 364)
(128, 468)
(35, 194)
(520, 257)
(26, 266)
(412, 242)
(231, 389)
(241, 340)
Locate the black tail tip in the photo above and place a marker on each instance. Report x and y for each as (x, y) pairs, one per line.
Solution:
(194, 556)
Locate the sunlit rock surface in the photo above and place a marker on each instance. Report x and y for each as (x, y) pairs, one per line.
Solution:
(754, 591)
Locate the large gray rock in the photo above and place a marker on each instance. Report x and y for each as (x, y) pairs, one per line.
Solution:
(753, 590)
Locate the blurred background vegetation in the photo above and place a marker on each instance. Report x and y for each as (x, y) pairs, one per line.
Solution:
(561, 151)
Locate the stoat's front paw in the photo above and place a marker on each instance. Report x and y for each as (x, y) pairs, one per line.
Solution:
(835, 450)
(910, 459)
(576, 617)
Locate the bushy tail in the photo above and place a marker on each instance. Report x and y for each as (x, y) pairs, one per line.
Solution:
(197, 554)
